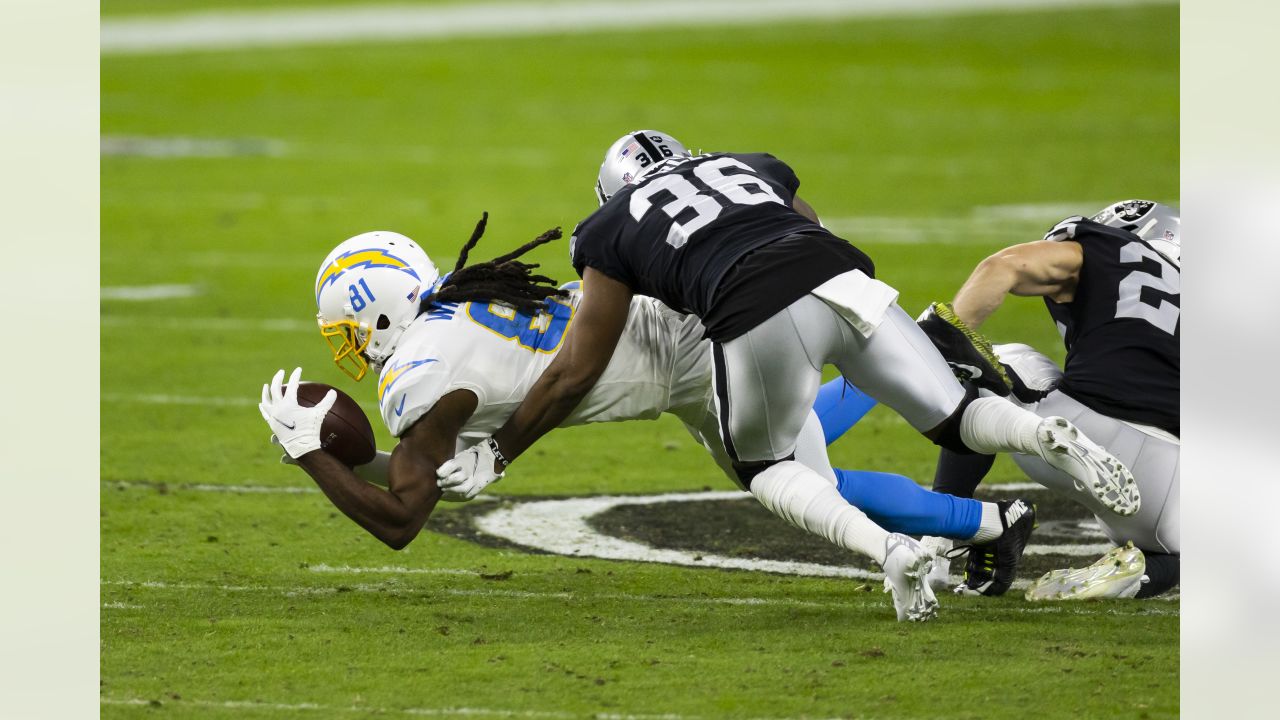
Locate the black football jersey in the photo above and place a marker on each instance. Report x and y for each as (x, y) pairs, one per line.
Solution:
(1122, 329)
(693, 233)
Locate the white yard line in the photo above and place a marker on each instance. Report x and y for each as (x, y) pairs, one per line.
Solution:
(163, 399)
(220, 30)
(397, 570)
(1084, 550)
(1013, 487)
(388, 589)
(177, 146)
(148, 293)
(294, 591)
(211, 488)
(366, 710)
(890, 230)
(201, 400)
(210, 324)
(332, 709)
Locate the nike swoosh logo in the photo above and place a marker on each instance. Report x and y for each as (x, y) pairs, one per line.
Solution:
(974, 371)
(1014, 513)
(292, 426)
(400, 409)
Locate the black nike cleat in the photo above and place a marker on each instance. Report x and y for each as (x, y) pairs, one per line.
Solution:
(992, 566)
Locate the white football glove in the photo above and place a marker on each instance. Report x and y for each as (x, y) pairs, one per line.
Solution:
(469, 472)
(297, 428)
(1065, 230)
(284, 456)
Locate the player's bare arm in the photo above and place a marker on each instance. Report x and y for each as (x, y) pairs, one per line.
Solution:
(1042, 268)
(588, 347)
(396, 515)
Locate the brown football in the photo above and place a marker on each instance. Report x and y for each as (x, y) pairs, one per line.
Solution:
(345, 433)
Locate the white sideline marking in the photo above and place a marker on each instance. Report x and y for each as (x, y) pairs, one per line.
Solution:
(120, 606)
(532, 595)
(183, 147)
(148, 293)
(218, 30)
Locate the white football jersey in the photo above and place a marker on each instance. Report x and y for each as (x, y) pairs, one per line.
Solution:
(661, 364)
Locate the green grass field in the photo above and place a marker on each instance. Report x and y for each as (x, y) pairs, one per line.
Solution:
(929, 142)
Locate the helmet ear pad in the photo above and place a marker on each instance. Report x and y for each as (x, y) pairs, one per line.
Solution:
(633, 156)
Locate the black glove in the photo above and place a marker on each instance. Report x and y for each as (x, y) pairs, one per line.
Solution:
(969, 354)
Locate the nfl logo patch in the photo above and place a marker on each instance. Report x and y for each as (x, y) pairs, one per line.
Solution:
(626, 177)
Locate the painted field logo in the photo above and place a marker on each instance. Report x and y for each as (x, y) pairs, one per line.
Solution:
(728, 530)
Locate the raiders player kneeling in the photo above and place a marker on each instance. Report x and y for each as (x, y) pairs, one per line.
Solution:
(1112, 286)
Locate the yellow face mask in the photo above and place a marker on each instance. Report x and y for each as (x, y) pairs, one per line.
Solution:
(344, 340)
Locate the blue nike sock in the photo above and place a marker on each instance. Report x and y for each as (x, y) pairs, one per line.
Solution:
(899, 505)
(894, 502)
(840, 406)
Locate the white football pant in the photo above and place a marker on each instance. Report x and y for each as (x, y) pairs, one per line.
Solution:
(1152, 457)
(767, 379)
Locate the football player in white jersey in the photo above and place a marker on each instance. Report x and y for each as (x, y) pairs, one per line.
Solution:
(451, 372)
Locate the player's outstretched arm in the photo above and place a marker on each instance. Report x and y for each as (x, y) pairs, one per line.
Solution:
(1042, 268)
(397, 514)
(588, 347)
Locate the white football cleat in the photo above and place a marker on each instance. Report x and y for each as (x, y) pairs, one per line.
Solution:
(906, 567)
(940, 574)
(1118, 574)
(1094, 470)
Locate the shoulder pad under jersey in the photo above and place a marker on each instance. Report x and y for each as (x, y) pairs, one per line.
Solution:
(410, 385)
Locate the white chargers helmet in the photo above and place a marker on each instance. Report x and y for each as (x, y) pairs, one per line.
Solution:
(368, 290)
(633, 156)
(1160, 225)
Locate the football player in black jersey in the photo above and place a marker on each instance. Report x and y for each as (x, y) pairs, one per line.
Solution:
(1112, 286)
(723, 236)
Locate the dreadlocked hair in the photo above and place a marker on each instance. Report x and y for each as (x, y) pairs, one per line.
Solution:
(502, 279)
